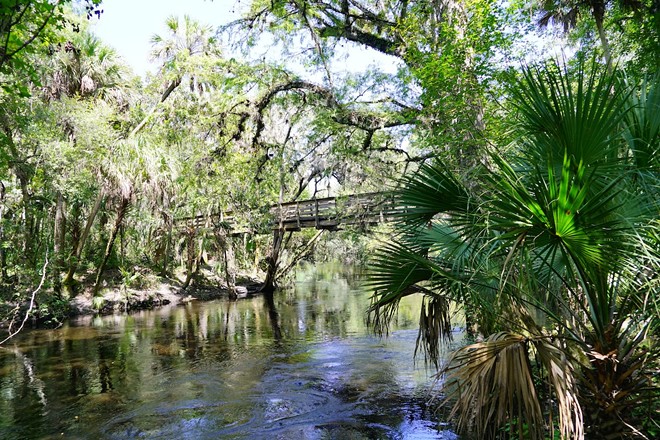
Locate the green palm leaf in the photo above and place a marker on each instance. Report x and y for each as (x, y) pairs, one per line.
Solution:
(558, 236)
(431, 191)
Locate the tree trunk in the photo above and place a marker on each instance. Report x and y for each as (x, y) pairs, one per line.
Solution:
(23, 173)
(167, 245)
(3, 255)
(75, 258)
(58, 246)
(121, 213)
(170, 88)
(272, 262)
(305, 250)
(74, 228)
(229, 260)
(607, 53)
(190, 263)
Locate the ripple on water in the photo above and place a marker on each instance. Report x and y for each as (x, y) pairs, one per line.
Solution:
(187, 420)
(216, 371)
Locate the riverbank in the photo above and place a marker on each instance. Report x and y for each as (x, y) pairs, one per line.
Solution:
(158, 291)
(122, 293)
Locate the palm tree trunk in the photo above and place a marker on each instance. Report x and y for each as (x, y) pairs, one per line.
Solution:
(121, 213)
(75, 258)
(59, 233)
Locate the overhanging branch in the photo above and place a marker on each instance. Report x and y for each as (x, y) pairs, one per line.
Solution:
(368, 121)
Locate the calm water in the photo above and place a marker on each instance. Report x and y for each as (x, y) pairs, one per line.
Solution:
(305, 367)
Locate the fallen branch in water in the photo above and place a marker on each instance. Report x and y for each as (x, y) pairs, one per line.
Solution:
(29, 310)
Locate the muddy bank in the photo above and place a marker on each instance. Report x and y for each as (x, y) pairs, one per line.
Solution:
(116, 296)
(121, 299)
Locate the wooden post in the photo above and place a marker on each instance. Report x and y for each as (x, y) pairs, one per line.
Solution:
(298, 214)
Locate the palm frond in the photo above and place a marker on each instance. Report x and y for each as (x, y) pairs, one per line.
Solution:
(431, 191)
(393, 271)
(434, 327)
(492, 385)
(561, 227)
(561, 377)
(570, 114)
(642, 125)
(492, 388)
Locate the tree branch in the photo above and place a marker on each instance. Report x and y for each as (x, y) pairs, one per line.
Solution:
(32, 300)
(381, 44)
(34, 36)
(349, 117)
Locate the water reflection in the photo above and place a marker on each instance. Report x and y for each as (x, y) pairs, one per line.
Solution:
(300, 366)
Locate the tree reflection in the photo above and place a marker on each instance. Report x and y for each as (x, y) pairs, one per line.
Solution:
(304, 350)
(273, 317)
(107, 353)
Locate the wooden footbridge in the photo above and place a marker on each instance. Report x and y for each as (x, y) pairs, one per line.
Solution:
(329, 213)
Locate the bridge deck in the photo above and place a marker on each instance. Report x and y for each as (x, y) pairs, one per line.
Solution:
(325, 213)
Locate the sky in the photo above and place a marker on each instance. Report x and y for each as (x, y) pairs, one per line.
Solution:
(128, 25)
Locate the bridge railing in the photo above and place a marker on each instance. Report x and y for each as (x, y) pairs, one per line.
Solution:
(321, 213)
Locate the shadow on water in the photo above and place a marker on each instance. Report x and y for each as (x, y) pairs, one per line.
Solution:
(300, 365)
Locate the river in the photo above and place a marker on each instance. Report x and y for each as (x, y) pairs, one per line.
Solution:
(304, 367)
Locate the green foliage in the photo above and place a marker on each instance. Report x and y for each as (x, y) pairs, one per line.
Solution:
(346, 247)
(97, 169)
(53, 310)
(27, 28)
(550, 241)
(625, 32)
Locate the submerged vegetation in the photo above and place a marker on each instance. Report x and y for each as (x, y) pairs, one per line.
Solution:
(527, 193)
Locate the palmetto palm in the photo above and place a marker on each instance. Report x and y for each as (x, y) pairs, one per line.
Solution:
(184, 40)
(184, 53)
(84, 66)
(555, 246)
(187, 35)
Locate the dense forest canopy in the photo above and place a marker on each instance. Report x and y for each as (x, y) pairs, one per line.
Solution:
(109, 178)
